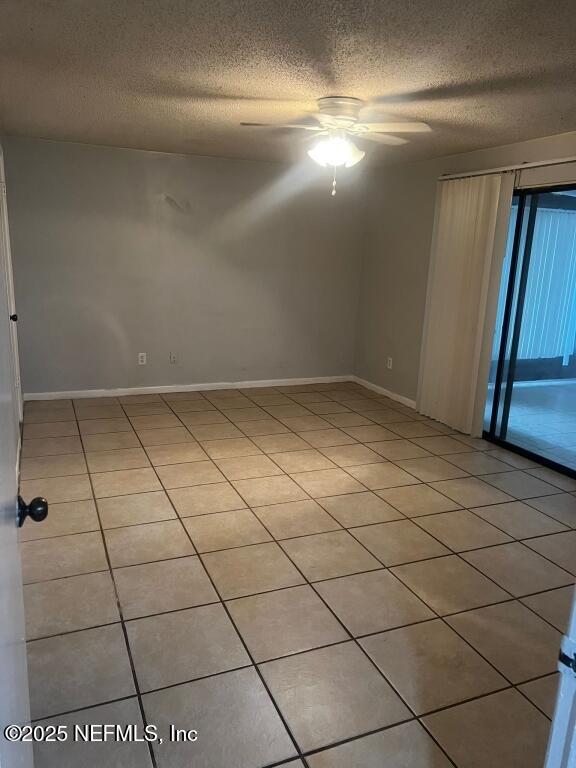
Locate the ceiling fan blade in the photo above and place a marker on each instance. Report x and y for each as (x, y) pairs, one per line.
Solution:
(175, 89)
(398, 127)
(382, 138)
(508, 84)
(283, 125)
(334, 123)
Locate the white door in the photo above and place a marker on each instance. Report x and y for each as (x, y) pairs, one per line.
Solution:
(14, 705)
(7, 266)
(562, 744)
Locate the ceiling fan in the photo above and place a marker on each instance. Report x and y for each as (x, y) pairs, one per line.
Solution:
(337, 122)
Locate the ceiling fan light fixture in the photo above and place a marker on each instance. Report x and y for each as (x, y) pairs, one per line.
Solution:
(335, 151)
(355, 156)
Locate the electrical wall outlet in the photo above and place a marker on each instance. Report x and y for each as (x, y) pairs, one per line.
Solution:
(173, 359)
(142, 359)
(389, 363)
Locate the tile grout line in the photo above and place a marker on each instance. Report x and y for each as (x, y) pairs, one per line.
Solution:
(351, 529)
(248, 653)
(122, 625)
(442, 617)
(275, 540)
(357, 644)
(223, 413)
(513, 598)
(318, 500)
(439, 616)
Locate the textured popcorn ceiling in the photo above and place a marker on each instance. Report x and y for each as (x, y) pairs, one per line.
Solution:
(180, 75)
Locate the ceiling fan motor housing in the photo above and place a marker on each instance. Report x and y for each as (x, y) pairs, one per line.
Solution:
(345, 108)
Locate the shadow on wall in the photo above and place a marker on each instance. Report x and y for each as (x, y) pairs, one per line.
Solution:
(294, 214)
(251, 213)
(243, 270)
(241, 219)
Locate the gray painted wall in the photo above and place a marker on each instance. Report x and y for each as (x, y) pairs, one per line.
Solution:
(245, 270)
(400, 202)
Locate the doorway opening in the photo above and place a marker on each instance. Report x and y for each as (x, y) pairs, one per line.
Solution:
(531, 401)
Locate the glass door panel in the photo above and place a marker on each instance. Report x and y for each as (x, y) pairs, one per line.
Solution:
(531, 402)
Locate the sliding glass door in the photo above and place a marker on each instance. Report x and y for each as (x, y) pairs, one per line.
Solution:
(531, 403)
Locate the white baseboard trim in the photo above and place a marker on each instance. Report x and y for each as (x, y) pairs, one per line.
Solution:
(80, 393)
(77, 394)
(386, 392)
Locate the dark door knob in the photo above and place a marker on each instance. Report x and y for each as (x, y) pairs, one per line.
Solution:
(37, 510)
(14, 318)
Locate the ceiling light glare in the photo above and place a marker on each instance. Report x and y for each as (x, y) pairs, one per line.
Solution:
(335, 151)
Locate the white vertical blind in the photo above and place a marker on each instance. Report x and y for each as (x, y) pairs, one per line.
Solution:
(466, 261)
(549, 319)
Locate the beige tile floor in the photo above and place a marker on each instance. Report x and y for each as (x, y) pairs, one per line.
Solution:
(309, 576)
